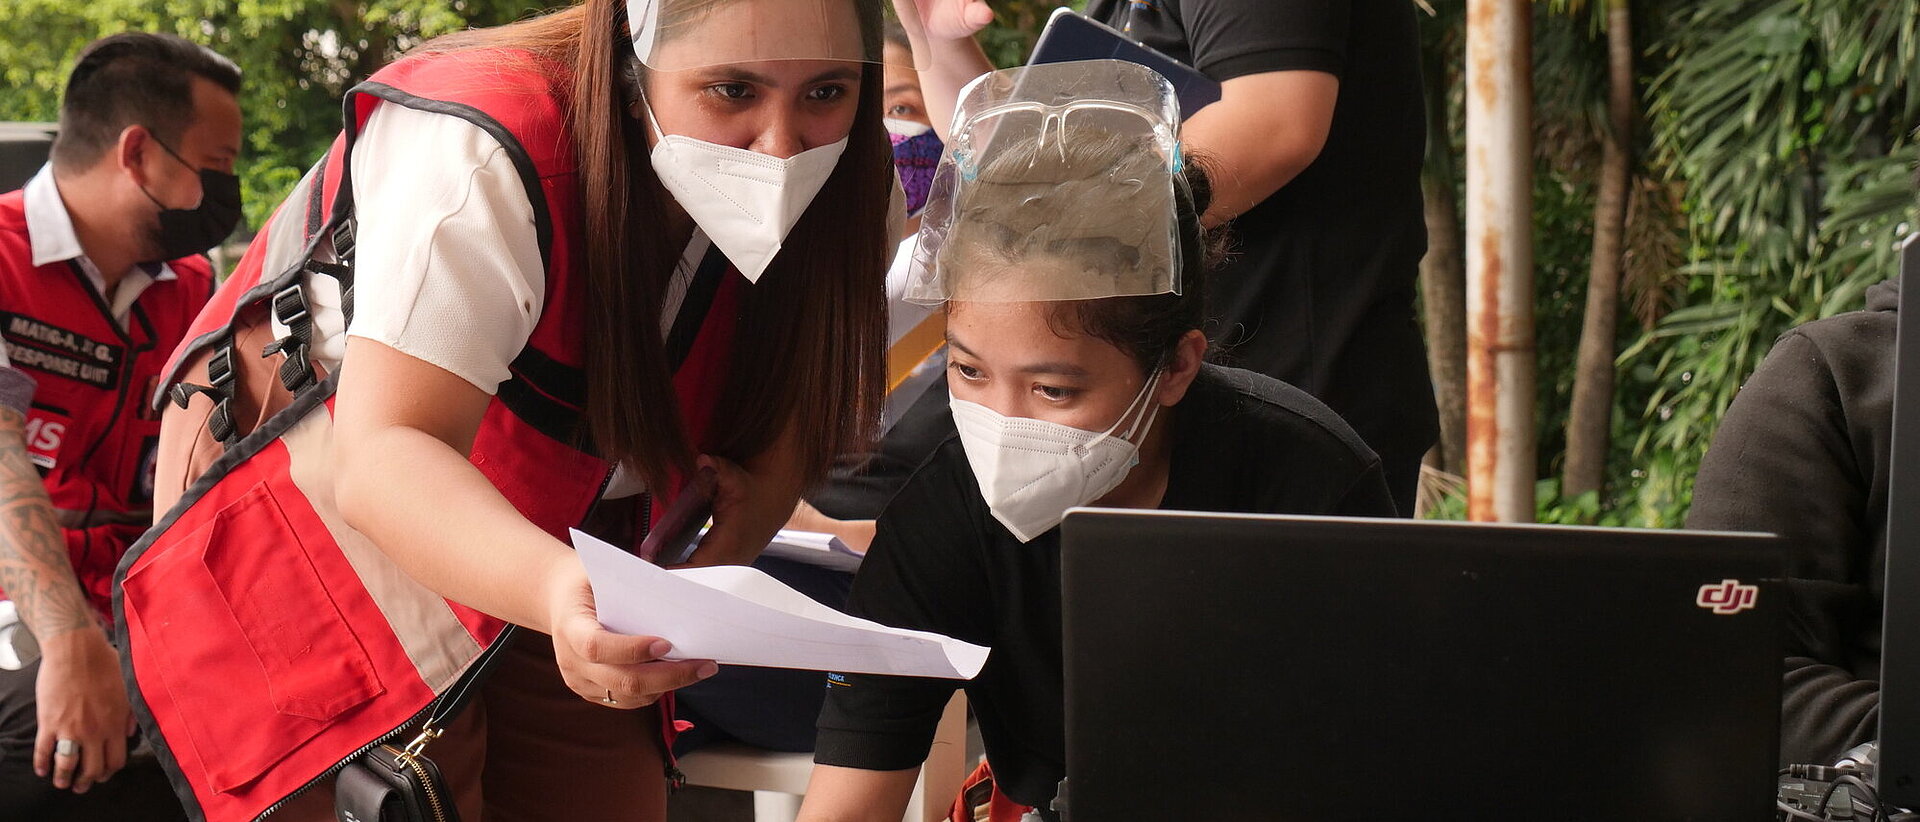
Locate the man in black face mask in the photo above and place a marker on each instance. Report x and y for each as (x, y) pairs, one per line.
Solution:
(100, 277)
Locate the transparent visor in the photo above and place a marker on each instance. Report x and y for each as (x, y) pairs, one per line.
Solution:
(678, 35)
(1058, 184)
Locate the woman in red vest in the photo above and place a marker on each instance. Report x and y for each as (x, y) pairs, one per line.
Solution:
(810, 314)
(591, 255)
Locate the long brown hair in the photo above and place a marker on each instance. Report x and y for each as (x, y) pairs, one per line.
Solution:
(808, 350)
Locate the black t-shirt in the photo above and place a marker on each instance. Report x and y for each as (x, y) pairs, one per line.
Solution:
(1241, 443)
(1320, 291)
(860, 486)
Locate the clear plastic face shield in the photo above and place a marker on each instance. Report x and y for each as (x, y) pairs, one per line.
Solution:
(681, 35)
(1058, 184)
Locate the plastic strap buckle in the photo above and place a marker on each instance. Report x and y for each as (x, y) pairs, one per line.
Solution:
(343, 239)
(220, 374)
(297, 372)
(220, 422)
(290, 308)
(220, 370)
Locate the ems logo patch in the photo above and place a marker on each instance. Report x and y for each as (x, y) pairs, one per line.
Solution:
(46, 432)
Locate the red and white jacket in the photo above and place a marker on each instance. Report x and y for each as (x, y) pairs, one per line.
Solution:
(88, 427)
(267, 641)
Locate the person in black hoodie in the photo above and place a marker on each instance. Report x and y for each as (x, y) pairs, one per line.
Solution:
(1804, 452)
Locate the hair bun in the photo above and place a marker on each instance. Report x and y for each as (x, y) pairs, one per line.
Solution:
(1197, 188)
(1199, 184)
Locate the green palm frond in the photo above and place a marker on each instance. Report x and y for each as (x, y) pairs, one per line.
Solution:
(1787, 126)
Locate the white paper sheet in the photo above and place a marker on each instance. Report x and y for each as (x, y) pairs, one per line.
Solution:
(814, 548)
(740, 616)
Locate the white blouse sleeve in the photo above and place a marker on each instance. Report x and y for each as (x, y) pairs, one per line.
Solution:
(448, 267)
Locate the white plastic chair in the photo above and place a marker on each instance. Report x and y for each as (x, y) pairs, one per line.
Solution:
(779, 780)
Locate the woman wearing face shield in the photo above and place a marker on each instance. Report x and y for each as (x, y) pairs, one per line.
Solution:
(597, 257)
(1065, 241)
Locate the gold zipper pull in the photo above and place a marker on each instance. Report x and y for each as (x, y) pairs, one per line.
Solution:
(418, 746)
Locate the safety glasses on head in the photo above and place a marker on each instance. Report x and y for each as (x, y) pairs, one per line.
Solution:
(1057, 184)
(678, 35)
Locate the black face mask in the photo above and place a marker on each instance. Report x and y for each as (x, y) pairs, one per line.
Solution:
(183, 232)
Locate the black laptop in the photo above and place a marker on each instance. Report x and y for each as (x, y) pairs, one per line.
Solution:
(1898, 781)
(1228, 667)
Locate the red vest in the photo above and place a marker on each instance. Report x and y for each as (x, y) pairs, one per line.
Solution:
(268, 642)
(89, 429)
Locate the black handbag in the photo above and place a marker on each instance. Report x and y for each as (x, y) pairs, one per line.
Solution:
(389, 784)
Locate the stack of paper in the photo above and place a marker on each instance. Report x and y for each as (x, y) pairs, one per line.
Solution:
(740, 616)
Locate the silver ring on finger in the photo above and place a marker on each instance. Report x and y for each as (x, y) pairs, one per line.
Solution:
(66, 747)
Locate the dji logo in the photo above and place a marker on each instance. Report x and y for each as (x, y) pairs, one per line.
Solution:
(1728, 597)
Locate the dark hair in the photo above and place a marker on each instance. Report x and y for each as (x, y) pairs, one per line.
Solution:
(896, 35)
(809, 351)
(1148, 327)
(133, 78)
(1077, 198)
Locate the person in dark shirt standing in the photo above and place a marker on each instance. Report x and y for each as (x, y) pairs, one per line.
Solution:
(1317, 140)
(1077, 376)
(1805, 451)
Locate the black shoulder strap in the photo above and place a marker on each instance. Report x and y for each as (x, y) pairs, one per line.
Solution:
(453, 700)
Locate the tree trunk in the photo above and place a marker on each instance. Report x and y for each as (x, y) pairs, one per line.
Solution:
(1443, 277)
(1590, 425)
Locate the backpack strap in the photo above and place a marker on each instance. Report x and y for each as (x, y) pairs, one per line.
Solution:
(286, 297)
(220, 389)
(290, 305)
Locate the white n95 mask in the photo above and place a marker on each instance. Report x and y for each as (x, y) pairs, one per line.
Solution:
(745, 201)
(1031, 471)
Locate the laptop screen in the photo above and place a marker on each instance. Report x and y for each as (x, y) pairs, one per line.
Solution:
(1323, 668)
(1899, 765)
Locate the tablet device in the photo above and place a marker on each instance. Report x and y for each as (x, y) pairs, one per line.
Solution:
(1069, 37)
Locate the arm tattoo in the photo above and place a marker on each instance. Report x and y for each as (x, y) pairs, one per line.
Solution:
(35, 571)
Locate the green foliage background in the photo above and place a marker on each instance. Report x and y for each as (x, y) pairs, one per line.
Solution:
(1791, 124)
(298, 57)
(1774, 161)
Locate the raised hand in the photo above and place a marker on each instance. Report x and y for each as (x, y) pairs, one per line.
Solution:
(953, 19)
